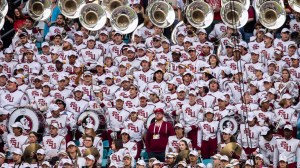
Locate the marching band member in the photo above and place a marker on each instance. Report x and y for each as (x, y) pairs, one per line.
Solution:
(173, 141)
(53, 142)
(131, 146)
(119, 153)
(78, 39)
(43, 101)
(207, 134)
(190, 117)
(287, 146)
(13, 97)
(115, 117)
(77, 104)
(136, 130)
(74, 155)
(16, 139)
(9, 63)
(249, 134)
(17, 159)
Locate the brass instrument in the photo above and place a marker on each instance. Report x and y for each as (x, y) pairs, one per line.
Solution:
(71, 8)
(29, 154)
(199, 14)
(135, 31)
(3, 7)
(39, 10)
(272, 15)
(124, 19)
(92, 17)
(231, 147)
(295, 5)
(234, 14)
(110, 5)
(93, 151)
(258, 4)
(246, 3)
(175, 31)
(2, 19)
(161, 14)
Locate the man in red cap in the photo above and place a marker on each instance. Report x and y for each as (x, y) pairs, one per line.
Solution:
(157, 136)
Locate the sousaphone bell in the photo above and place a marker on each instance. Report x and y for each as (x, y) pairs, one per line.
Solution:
(199, 14)
(71, 8)
(39, 10)
(295, 5)
(124, 19)
(92, 17)
(271, 15)
(161, 14)
(246, 3)
(110, 5)
(234, 14)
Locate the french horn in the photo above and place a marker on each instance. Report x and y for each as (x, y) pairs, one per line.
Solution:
(92, 17)
(246, 3)
(295, 5)
(234, 14)
(71, 8)
(161, 14)
(199, 14)
(39, 10)
(124, 19)
(3, 7)
(110, 5)
(271, 15)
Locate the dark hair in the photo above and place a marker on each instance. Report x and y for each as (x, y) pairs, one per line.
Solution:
(34, 133)
(118, 144)
(287, 72)
(186, 144)
(60, 101)
(218, 61)
(158, 71)
(89, 136)
(21, 15)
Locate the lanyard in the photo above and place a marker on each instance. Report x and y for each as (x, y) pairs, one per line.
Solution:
(158, 128)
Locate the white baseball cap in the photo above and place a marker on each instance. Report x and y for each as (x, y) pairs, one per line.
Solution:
(91, 157)
(209, 110)
(71, 143)
(202, 165)
(193, 92)
(41, 151)
(67, 161)
(216, 156)
(178, 125)
(89, 125)
(194, 153)
(234, 162)
(288, 126)
(250, 116)
(227, 131)
(282, 158)
(183, 163)
(285, 30)
(269, 35)
(125, 131)
(286, 96)
(91, 38)
(249, 162)
(46, 163)
(17, 125)
(264, 130)
(181, 88)
(79, 33)
(53, 107)
(55, 125)
(141, 163)
(17, 151)
(224, 157)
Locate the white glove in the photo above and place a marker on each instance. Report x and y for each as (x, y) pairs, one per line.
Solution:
(178, 110)
(187, 129)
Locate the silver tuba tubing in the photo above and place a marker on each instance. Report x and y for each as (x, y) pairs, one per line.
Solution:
(234, 14)
(3, 7)
(199, 14)
(71, 8)
(2, 19)
(110, 5)
(124, 19)
(161, 14)
(271, 15)
(246, 3)
(92, 17)
(39, 10)
(295, 5)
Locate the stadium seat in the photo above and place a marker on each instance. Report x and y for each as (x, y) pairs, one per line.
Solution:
(144, 155)
(104, 153)
(206, 161)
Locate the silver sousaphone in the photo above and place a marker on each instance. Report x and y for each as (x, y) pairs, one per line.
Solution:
(110, 5)
(234, 14)
(295, 5)
(3, 7)
(161, 14)
(199, 14)
(39, 10)
(92, 16)
(124, 19)
(71, 8)
(2, 19)
(272, 15)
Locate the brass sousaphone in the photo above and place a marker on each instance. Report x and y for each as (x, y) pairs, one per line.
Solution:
(272, 15)
(71, 8)
(234, 14)
(231, 147)
(39, 10)
(161, 14)
(92, 16)
(124, 19)
(29, 154)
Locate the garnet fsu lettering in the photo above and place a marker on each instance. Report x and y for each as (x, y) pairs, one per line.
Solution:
(190, 112)
(269, 147)
(209, 128)
(129, 104)
(90, 54)
(51, 144)
(117, 116)
(142, 113)
(283, 114)
(286, 146)
(74, 106)
(14, 143)
(143, 77)
(249, 133)
(9, 98)
(133, 127)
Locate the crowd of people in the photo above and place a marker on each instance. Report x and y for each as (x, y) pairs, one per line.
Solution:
(70, 97)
